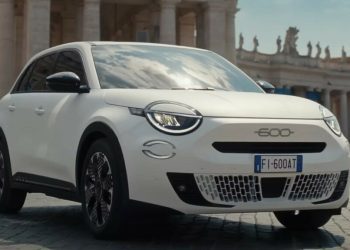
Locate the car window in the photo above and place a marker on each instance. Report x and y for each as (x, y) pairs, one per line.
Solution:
(70, 61)
(163, 67)
(21, 85)
(42, 69)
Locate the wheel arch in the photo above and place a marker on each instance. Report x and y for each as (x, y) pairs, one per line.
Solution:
(93, 132)
(4, 141)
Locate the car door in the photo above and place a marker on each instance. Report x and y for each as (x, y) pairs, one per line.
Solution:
(63, 124)
(25, 116)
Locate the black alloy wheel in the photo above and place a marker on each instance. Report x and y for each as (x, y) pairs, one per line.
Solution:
(104, 190)
(98, 189)
(11, 200)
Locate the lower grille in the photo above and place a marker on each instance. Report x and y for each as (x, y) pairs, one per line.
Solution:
(313, 186)
(231, 189)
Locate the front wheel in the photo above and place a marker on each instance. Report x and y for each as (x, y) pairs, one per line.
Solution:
(11, 200)
(305, 219)
(104, 198)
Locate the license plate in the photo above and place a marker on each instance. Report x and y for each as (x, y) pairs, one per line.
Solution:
(278, 163)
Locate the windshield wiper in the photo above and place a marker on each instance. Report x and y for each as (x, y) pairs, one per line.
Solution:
(207, 88)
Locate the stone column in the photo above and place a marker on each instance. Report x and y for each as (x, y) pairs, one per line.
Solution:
(91, 23)
(344, 112)
(200, 36)
(37, 21)
(168, 21)
(79, 16)
(155, 21)
(231, 31)
(326, 98)
(69, 27)
(7, 42)
(215, 26)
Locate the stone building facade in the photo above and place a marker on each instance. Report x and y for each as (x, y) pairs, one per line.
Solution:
(29, 26)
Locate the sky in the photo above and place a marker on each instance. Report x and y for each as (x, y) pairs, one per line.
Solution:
(326, 21)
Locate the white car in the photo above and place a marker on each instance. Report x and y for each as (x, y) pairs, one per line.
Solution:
(119, 126)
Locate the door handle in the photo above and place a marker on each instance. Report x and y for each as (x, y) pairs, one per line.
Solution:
(40, 111)
(12, 107)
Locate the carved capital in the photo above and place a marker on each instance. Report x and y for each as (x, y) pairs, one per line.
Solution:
(92, 1)
(216, 5)
(169, 3)
(232, 6)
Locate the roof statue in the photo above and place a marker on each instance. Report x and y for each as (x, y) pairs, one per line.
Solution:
(290, 42)
(279, 44)
(343, 55)
(327, 53)
(319, 50)
(309, 49)
(256, 44)
(241, 41)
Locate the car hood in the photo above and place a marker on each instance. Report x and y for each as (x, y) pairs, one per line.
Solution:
(220, 103)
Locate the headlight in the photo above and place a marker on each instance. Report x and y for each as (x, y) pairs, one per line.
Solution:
(330, 120)
(171, 117)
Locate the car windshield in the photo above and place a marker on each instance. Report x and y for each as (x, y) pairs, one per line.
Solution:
(165, 67)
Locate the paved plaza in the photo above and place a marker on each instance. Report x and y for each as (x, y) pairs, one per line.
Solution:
(48, 223)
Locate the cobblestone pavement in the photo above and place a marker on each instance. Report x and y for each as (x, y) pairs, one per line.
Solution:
(48, 223)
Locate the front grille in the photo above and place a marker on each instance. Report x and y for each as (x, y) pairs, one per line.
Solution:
(339, 189)
(231, 189)
(269, 147)
(313, 186)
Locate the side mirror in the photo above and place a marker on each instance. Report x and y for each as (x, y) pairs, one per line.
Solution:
(266, 86)
(66, 82)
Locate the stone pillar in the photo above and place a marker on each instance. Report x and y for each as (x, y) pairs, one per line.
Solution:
(344, 112)
(215, 26)
(19, 37)
(91, 23)
(200, 36)
(326, 98)
(231, 31)
(37, 21)
(79, 16)
(69, 28)
(155, 21)
(168, 21)
(7, 42)
(186, 30)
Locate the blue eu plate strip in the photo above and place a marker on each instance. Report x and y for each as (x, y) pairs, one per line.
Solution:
(299, 163)
(257, 163)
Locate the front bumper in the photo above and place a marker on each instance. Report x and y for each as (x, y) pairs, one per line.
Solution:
(194, 155)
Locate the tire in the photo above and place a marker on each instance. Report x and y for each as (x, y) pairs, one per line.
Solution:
(104, 190)
(11, 200)
(304, 220)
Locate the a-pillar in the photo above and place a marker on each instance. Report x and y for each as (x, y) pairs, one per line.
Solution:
(37, 26)
(90, 18)
(168, 21)
(7, 42)
(344, 112)
(231, 31)
(215, 26)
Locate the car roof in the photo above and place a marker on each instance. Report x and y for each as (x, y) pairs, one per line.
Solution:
(89, 44)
